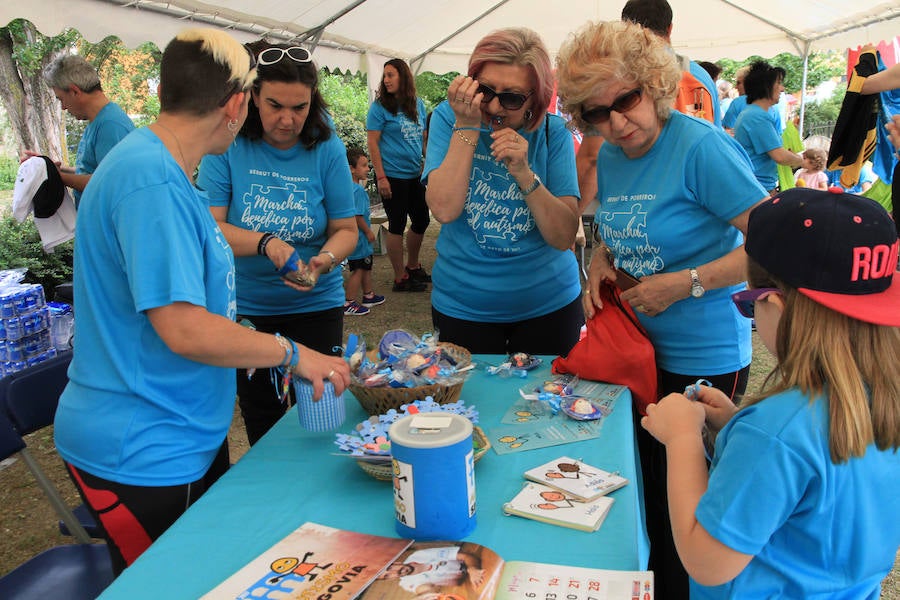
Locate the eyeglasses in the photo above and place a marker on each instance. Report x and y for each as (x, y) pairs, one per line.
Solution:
(622, 104)
(270, 56)
(508, 100)
(745, 301)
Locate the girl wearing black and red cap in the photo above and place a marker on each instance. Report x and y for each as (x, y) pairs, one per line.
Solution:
(804, 489)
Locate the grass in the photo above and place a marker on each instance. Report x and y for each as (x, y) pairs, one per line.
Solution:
(28, 524)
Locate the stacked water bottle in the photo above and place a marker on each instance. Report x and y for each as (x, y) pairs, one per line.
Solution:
(24, 327)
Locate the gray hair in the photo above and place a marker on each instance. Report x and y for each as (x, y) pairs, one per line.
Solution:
(72, 70)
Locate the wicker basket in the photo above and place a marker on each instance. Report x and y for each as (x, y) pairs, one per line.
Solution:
(382, 471)
(379, 400)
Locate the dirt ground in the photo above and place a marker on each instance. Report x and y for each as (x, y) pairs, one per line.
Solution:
(28, 523)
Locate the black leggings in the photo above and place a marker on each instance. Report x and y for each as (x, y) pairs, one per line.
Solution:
(554, 333)
(407, 200)
(670, 578)
(257, 396)
(134, 516)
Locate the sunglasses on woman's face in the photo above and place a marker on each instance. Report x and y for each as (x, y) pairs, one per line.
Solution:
(622, 104)
(508, 100)
(745, 301)
(270, 56)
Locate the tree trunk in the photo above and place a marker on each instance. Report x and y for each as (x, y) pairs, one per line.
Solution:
(34, 113)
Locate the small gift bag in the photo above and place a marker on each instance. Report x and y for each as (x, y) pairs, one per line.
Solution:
(325, 414)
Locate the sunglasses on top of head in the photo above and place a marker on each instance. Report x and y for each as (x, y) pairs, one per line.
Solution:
(270, 56)
(746, 300)
(508, 100)
(622, 104)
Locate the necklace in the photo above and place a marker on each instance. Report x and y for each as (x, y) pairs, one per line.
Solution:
(184, 164)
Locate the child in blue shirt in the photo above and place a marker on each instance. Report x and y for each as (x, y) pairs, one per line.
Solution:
(360, 260)
(804, 487)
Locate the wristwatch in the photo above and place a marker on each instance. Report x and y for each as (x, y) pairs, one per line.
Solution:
(697, 288)
(534, 185)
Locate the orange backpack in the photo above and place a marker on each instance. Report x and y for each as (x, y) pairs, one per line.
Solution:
(693, 98)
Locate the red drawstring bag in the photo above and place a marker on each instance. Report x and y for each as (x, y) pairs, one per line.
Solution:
(616, 350)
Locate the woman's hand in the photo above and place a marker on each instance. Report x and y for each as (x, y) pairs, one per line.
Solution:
(600, 270)
(511, 149)
(674, 416)
(718, 406)
(655, 293)
(317, 367)
(384, 188)
(465, 100)
(893, 128)
(280, 252)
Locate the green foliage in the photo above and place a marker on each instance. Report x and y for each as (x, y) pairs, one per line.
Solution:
(824, 114)
(8, 168)
(31, 47)
(351, 131)
(20, 246)
(432, 88)
(345, 94)
(822, 66)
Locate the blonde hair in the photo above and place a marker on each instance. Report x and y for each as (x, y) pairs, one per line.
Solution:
(601, 53)
(225, 50)
(823, 352)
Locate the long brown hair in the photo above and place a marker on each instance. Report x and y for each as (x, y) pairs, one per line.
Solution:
(848, 361)
(405, 98)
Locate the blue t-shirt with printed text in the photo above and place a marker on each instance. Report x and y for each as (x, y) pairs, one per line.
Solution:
(292, 193)
(493, 265)
(669, 210)
(107, 129)
(401, 139)
(134, 411)
(755, 133)
(361, 202)
(815, 529)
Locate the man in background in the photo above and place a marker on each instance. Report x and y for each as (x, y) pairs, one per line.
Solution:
(76, 85)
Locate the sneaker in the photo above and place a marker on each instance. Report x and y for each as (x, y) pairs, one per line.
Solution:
(418, 274)
(408, 285)
(372, 299)
(355, 308)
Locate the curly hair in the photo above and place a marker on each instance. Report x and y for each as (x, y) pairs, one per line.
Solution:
(601, 53)
(316, 128)
(522, 47)
(761, 80)
(817, 157)
(405, 97)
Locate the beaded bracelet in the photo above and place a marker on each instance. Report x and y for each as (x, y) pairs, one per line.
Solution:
(263, 242)
(463, 137)
(285, 345)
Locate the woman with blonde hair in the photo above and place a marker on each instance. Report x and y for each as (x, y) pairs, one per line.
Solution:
(670, 216)
(143, 420)
(502, 181)
(807, 474)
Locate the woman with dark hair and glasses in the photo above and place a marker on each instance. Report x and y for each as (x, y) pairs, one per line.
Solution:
(675, 194)
(283, 197)
(143, 420)
(396, 136)
(754, 129)
(501, 179)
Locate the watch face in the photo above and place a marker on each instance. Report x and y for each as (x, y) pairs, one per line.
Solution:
(697, 290)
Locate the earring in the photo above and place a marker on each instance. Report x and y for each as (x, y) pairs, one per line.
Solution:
(232, 126)
(528, 114)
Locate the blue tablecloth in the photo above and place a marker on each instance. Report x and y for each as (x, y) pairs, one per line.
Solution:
(291, 476)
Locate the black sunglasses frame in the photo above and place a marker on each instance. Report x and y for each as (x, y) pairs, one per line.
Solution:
(622, 104)
(508, 100)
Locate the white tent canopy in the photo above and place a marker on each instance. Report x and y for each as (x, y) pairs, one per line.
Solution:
(438, 35)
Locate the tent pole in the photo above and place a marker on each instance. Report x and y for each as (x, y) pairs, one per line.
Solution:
(803, 87)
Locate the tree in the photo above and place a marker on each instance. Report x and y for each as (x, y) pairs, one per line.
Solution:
(821, 67)
(33, 110)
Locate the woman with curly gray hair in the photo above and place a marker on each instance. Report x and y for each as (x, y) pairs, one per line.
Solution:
(675, 195)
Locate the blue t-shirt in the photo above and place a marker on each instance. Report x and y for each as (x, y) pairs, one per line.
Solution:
(292, 193)
(401, 139)
(493, 265)
(815, 529)
(738, 105)
(754, 131)
(106, 130)
(134, 411)
(669, 210)
(361, 202)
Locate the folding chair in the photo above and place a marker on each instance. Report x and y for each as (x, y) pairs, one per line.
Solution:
(29, 398)
(73, 571)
